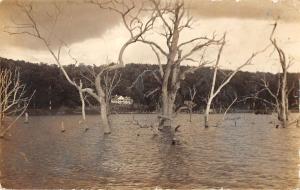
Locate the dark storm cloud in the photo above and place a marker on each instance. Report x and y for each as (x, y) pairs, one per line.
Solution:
(78, 21)
(82, 21)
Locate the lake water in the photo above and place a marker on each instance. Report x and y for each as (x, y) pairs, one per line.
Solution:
(249, 154)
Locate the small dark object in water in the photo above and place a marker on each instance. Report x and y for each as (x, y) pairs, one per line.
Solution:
(86, 129)
(63, 130)
(177, 128)
(138, 135)
(277, 126)
(175, 141)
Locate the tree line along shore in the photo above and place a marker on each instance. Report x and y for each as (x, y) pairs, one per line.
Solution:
(54, 95)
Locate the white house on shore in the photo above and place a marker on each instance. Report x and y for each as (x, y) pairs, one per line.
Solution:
(122, 100)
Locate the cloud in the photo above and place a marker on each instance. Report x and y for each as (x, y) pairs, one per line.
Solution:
(96, 35)
(286, 10)
(77, 22)
(81, 21)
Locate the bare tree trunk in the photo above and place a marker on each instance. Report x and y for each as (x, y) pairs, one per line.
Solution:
(212, 93)
(284, 104)
(168, 100)
(103, 105)
(83, 122)
(166, 110)
(1, 120)
(287, 107)
(165, 120)
(206, 113)
(104, 116)
(191, 112)
(283, 113)
(82, 101)
(83, 107)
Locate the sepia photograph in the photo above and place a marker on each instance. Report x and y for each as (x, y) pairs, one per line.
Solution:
(150, 94)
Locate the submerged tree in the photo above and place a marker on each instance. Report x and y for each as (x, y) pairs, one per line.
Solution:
(13, 99)
(168, 20)
(281, 95)
(189, 104)
(99, 89)
(215, 90)
(175, 19)
(283, 103)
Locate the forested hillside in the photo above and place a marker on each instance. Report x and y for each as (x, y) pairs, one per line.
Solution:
(50, 85)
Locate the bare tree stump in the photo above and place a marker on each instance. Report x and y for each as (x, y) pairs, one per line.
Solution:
(62, 127)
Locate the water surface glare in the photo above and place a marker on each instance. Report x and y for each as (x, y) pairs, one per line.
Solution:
(251, 154)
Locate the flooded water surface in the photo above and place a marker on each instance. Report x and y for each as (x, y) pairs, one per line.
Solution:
(246, 151)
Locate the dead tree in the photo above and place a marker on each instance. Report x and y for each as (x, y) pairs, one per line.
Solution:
(170, 18)
(82, 95)
(283, 103)
(110, 84)
(109, 81)
(175, 19)
(280, 97)
(214, 91)
(33, 29)
(276, 98)
(189, 104)
(13, 99)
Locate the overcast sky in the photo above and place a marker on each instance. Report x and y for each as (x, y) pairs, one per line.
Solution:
(95, 36)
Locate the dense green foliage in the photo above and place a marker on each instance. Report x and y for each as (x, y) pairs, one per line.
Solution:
(51, 85)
